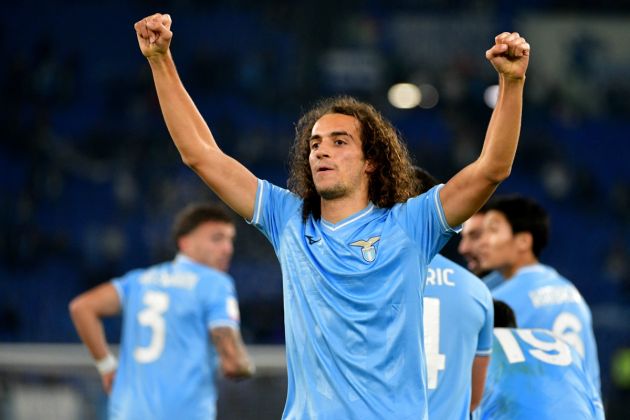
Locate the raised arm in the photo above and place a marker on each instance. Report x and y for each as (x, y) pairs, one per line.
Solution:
(86, 311)
(230, 180)
(235, 363)
(470, 188)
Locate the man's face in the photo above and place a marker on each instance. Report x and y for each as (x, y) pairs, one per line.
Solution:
(211, 243)
(337, 163)
(498, 248)
(470, 240)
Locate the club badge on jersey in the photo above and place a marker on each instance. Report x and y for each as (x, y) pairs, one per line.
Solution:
(367, 248)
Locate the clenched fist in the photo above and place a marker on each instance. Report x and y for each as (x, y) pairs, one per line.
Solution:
(509, 55)
(154, 34)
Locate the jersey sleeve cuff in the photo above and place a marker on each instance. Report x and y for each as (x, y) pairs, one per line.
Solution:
(257, 204)
(487, 352)
(440, 212)
(119, 290)
(224, 323)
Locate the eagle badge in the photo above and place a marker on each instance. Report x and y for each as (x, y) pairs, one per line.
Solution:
(367, 248)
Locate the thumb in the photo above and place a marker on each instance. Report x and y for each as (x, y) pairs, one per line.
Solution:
(496, 51)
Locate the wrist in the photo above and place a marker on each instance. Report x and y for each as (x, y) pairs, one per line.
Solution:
(157, 60)
(107, 364)
(511, 79)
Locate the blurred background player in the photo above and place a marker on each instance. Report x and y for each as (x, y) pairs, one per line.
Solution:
(469, 242)
(458, 321)
(515, 232)
(167, 362)
(534, 374)
(470, 239)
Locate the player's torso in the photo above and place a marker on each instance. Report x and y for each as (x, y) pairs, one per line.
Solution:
(352, 300)
(454, 315)
(541, 298)
(165, 353)
(535, 374)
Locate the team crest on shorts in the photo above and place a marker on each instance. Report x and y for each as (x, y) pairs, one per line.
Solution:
(367, 248)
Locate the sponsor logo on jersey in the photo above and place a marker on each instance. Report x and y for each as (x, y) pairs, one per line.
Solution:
(311, 240)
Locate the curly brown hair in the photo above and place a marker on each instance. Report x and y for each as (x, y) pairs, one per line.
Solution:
(392, 180)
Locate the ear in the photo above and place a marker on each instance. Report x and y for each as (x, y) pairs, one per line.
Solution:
(182, 243)
(524, 241)
(370, 166)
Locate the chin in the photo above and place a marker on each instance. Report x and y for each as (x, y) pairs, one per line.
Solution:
(331, 193)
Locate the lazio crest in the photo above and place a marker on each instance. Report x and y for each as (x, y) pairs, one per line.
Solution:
(367, 248)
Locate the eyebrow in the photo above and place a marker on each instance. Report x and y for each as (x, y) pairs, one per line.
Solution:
(332, 134)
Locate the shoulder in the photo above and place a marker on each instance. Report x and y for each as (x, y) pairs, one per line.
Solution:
(209, 273)
(507, 288)
(443, 263)
(266, 188)
(134, 274)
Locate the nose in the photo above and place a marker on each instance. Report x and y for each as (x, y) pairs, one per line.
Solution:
(322, 151)
(463, 246)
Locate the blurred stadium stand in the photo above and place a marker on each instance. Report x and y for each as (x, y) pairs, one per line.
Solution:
(90, 179)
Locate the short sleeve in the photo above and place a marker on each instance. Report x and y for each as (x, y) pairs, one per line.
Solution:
(273, 208)
(484, 342)
(423, 218)
(123, 285)
(220, 303)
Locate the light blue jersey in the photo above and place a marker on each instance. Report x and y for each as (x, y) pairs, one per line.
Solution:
(167, 362)
(458, 321)
(534, 374)
(493, 279)
(352, 302)
(541, 298)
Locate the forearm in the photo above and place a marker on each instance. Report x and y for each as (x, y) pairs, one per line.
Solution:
(185, 123)
(478, 380)
(499, 148)
(238, 365)
(235, 361)
(90, 329)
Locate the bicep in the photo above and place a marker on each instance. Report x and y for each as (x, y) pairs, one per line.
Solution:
(230, 180)
(465, 193)
(103, 300)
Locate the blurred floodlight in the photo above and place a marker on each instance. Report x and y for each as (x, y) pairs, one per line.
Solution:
(404, 95)
(429, 96)
(490, 96)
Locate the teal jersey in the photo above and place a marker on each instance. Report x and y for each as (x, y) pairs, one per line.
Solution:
(541, 298)
(458, 321)
(352, 304)
(534, 374)
(167, 362)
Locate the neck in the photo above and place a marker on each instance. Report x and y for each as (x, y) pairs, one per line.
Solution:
(523, 261)
(338, 209)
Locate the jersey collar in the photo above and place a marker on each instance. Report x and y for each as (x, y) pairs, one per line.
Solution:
(348, 220)
(533, 268)
(183, 258)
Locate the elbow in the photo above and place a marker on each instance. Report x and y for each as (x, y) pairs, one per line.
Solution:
(206, 156)
(498, 175)
(190, 161)
(76, 307)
